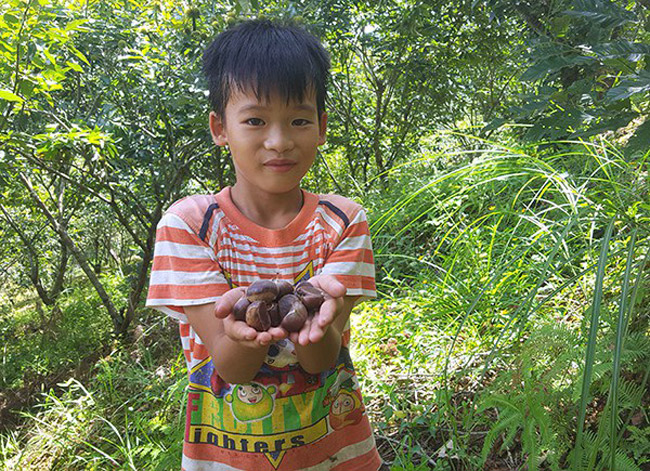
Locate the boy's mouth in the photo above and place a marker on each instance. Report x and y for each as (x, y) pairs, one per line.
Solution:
(280, 165)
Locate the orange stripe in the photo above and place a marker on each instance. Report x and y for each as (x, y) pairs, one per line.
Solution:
(169, 262)
(354, 281)
(358, 229)
(353, 255)
(320, 451)
(199, 351)
(177, 236)
(299, 264)
(180, 292)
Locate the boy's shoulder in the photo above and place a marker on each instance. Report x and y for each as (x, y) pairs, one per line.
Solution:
(192, 209)
(340, 205)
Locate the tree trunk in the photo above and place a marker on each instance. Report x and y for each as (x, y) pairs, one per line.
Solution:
(79, 256)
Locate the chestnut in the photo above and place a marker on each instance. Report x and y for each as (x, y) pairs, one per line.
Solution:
(284, 288)
(293, 312)
(262, 290)
(240, 307)
(310, 296)
(274, 314)
(257, 316)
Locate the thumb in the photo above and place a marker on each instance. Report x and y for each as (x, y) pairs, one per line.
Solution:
(227, 301)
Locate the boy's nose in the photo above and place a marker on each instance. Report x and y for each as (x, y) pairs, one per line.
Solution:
(278, 140)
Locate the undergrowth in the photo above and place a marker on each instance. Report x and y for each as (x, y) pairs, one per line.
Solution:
(511, 329)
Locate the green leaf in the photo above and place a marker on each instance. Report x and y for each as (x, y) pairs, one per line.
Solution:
(600, 16)
(74, 66)
(11, 19)
(640, 141)
(621, 49)
(75, 25)
(78, 53)
(551, 64)
(9, 96)
(630, 85)
(591, 342)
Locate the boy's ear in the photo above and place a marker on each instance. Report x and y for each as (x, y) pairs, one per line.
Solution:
(322, 129)
(217, 129)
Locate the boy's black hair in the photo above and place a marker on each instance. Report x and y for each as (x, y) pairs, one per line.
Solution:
(266, 56)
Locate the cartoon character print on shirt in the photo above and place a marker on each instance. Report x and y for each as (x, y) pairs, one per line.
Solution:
(251, 401)
(281, 353)
(344, 399)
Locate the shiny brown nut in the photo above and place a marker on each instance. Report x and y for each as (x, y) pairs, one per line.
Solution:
(257, 316)
(274, 314)
(310, 296)
(262, 290)
(285, 303)
(293, 312)
(284, 288)
(240, 307)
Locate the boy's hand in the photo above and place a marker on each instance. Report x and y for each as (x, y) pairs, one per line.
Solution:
(240, 331)
(315, 327)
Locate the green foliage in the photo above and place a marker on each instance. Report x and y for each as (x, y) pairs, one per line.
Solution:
(589, 62)
(496, 327)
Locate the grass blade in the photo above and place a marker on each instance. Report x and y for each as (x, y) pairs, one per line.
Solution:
(591, 343)
(618, 347)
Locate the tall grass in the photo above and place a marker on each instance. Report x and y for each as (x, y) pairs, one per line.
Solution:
(513, 236)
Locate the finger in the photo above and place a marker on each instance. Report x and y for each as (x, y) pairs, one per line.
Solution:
(278, 333)
(303, 335)
(238, 330)
(227, 301)
(328, 311)
(264, 338)
(316, 333)
(330, 285)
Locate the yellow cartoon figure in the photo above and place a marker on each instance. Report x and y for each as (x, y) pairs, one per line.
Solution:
(251, 401)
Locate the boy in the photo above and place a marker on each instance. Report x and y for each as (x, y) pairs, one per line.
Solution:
(267, 400)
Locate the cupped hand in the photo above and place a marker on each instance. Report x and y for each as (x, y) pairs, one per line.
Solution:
(315, 327)
(239, 331)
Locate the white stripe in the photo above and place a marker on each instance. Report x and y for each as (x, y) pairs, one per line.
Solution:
(185, 278)
(215, 225)
(335, 224)
(233, 231)
(161, 303)
(343, 455)
(165, 310)
(364, 293)
(360, 217)
(261, 251)
(290, 271)
(174, 249)
(349, 268)
(172, 220)
(353, 243)
(302, 256)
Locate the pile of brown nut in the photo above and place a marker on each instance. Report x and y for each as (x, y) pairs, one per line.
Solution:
(273, 303)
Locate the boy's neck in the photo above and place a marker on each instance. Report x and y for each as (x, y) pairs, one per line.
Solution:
(272, 211)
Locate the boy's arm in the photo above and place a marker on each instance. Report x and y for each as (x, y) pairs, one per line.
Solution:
(321, 355)
(236, 361)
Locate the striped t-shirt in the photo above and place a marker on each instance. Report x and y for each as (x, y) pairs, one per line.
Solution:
(286, 418)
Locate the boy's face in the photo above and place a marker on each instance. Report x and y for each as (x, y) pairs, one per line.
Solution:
(273, 143)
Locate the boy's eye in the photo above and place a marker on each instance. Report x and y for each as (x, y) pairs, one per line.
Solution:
(254, 121)
(300, 122)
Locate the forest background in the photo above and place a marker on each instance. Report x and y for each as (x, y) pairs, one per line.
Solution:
(500, 148)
